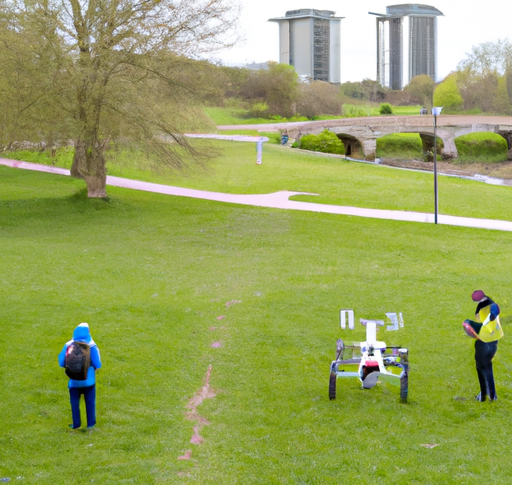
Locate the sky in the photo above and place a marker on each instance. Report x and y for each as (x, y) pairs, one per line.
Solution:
(465, 23)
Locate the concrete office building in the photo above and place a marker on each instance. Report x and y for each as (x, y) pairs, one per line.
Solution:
(309, 40)
(399, 59)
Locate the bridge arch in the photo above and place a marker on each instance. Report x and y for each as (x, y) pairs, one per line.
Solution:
(353, 147)
(367, 130)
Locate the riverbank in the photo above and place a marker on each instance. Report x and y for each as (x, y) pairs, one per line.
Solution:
(501, 171)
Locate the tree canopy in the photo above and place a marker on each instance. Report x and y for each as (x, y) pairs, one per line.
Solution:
(99, 70)
(488, 58)
(422, 89)
(447, 94)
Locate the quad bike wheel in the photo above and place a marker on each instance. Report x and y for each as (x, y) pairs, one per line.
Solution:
(404, 387)
(332, 386)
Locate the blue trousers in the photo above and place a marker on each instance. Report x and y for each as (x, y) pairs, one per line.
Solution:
(90, 404)
(484, 353)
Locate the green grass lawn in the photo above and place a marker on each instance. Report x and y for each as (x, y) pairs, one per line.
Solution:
(162, 279)
(335, 180)
(232, 116)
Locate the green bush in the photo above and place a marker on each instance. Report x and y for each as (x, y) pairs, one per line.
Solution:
(481, 148)
(354, 111)
(385, 109)
(326, 142)
(258, 110)
(400, 145)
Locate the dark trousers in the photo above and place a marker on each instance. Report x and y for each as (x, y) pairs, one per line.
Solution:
(90, 404)
(484, 353)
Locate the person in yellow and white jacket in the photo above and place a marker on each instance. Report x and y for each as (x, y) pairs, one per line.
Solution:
(487, 330)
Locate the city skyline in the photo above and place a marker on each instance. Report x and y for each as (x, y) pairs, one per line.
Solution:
(462, 27)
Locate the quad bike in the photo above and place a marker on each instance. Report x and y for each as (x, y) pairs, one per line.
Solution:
(370, 360)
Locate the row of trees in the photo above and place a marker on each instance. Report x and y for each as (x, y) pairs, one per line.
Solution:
(92, 71)
(482, 81)
(277, 90)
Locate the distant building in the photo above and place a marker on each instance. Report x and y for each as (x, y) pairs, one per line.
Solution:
(399, 59)
(309, 40)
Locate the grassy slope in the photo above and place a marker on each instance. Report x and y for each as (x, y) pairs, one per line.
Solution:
(335, 180)
(229, 116)
(152, 273)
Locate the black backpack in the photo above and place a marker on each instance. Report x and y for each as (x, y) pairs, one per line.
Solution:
(77, 361)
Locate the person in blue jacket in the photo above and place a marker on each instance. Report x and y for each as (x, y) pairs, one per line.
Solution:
(87, 387)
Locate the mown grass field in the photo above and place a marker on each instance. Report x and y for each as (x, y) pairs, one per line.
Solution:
(232, 116)
(335, 180)
(171, 286)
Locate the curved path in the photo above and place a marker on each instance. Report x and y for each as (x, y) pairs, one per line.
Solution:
(278, 200)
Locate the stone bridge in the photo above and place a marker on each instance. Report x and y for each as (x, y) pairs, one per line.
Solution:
(360, 134)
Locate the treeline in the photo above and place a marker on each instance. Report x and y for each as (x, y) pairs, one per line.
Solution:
(482, 82)
(277, 91)
(96, 73)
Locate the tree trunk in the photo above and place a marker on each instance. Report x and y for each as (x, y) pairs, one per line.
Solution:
(89, 164)
(96, 186)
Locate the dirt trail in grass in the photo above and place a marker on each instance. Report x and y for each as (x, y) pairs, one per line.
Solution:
(206, 392)
(280, 200)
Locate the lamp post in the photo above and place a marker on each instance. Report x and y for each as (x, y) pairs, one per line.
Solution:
(435, 112)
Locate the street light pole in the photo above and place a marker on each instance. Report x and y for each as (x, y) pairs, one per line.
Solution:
(435, 112)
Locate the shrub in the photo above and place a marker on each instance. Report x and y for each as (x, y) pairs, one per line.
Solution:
(400, 145)
(258, 110)
(385, 109)
(353, 111)
(325, 142)
(481, 148)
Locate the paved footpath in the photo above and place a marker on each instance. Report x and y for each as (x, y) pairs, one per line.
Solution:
(278, 200)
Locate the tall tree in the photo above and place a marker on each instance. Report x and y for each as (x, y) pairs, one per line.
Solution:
(113, 61)
(277, 86)
(282, 88)
(319, 98)
(422, 89)
(447, 94)
(483, 77)
(28, 62)
(488, 58)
